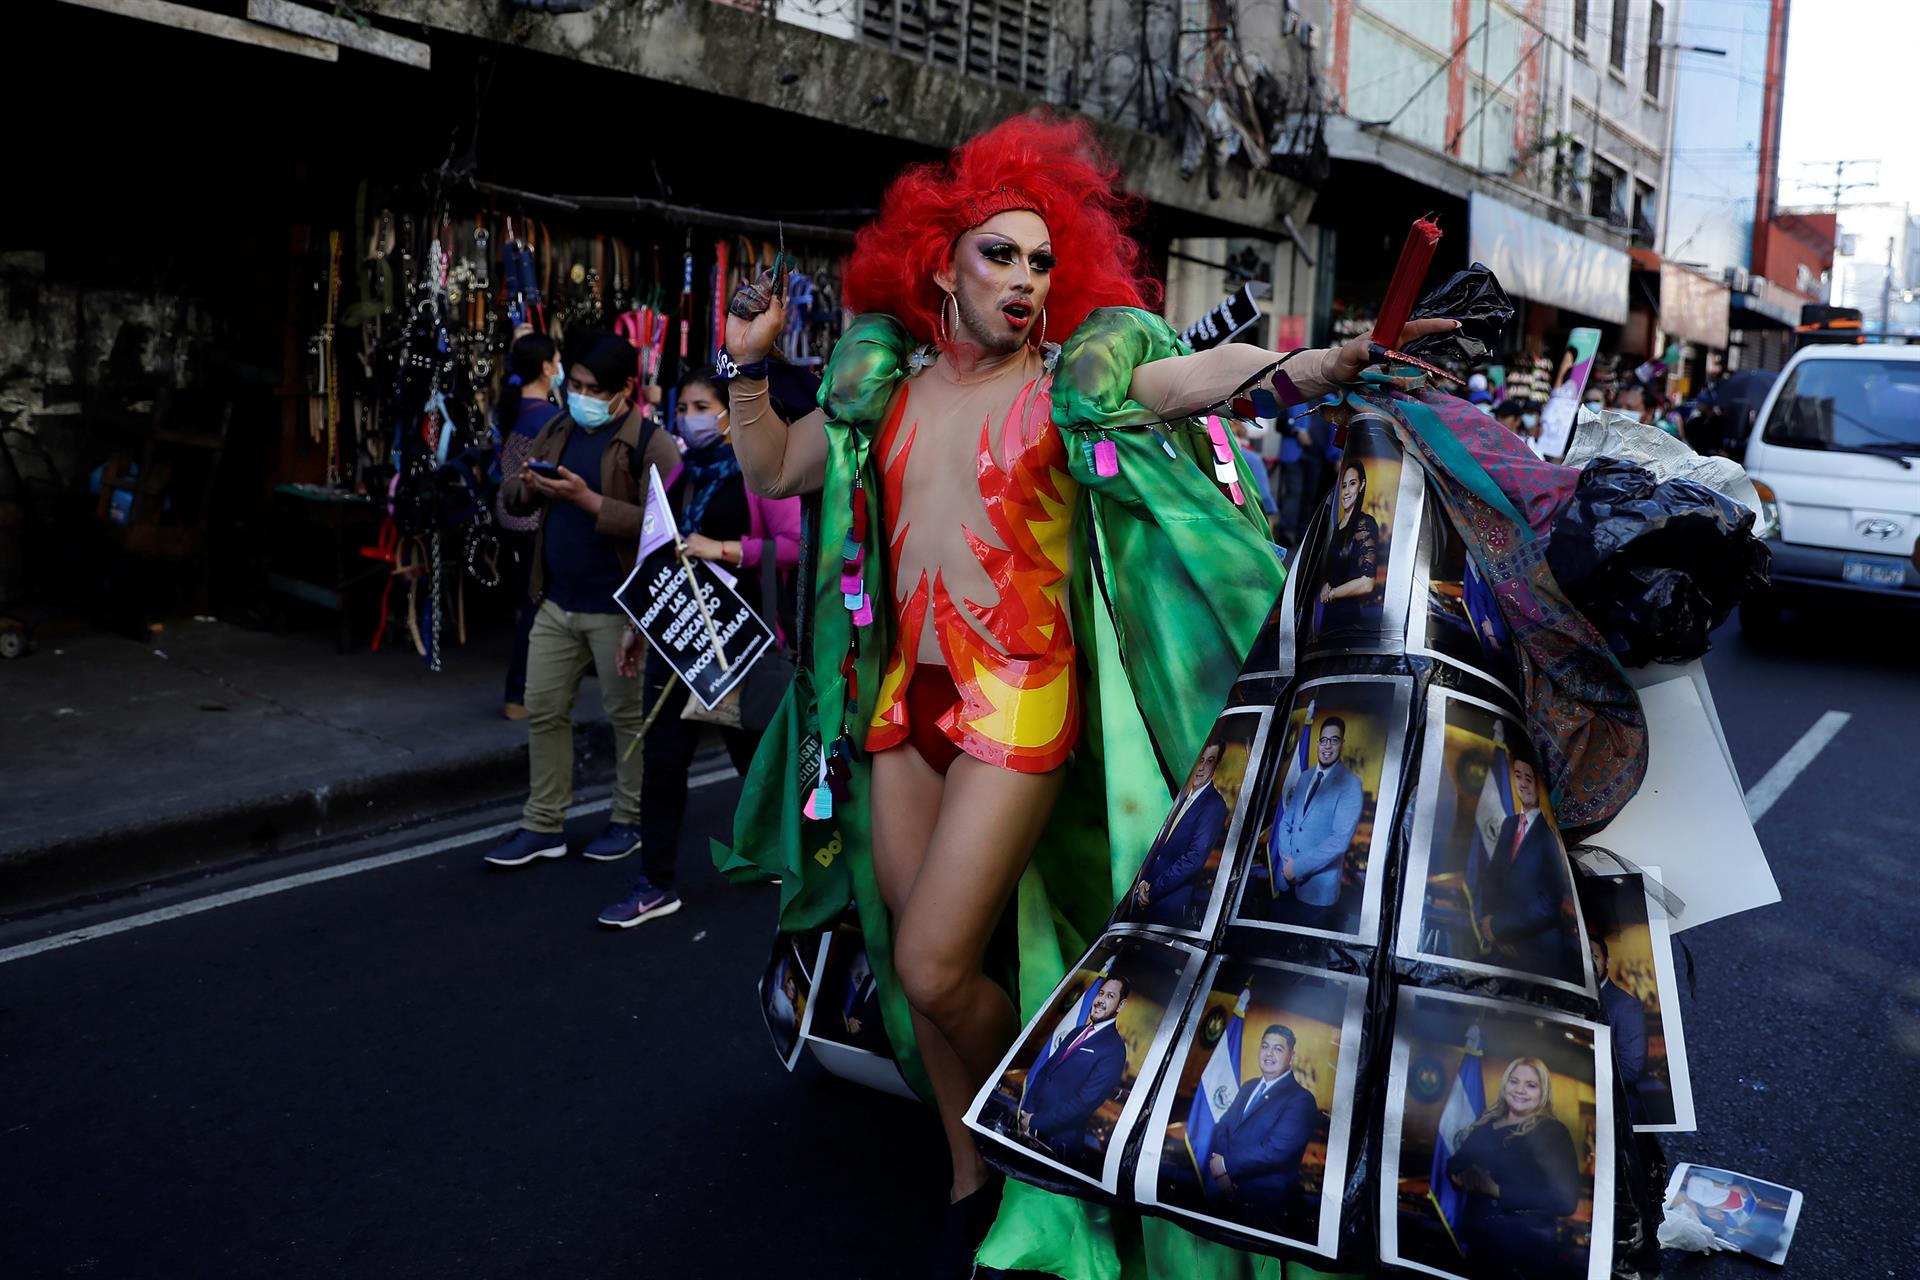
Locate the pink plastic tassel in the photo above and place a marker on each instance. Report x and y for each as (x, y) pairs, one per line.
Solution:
(1106, 458)
(863, 616)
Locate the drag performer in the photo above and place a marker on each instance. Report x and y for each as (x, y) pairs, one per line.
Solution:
(1037, 580)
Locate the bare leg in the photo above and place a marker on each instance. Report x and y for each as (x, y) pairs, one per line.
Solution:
(906, 804)
(988, 821)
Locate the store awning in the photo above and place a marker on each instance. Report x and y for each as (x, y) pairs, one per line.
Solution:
(1546, 262)
(1692, 306)
(1765, 305)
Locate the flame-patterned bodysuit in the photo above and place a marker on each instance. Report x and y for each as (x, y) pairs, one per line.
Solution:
(984, 656)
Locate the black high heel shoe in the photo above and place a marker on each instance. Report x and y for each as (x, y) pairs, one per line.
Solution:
(964, 1227)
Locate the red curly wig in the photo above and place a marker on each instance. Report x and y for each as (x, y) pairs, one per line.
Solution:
(1050, 165)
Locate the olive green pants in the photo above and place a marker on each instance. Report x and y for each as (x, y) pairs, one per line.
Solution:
(560, 648)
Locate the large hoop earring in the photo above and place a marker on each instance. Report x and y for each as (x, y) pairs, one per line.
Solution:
(946, 334)
(1043, 328)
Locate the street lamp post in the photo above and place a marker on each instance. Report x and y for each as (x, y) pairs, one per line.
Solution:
(1672, 77)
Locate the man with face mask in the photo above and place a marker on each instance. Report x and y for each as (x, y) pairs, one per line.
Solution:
(579, 482)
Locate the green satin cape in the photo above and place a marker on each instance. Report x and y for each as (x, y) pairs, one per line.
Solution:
(1169, 584)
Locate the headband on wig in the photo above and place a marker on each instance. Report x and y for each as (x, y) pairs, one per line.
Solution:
(1047, 165)
(1002, 199)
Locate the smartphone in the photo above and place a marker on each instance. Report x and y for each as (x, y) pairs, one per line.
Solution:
(545, 470)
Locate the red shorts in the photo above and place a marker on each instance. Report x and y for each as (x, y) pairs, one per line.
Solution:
(930, 696)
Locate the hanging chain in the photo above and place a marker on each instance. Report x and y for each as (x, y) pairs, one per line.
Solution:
(437, 603)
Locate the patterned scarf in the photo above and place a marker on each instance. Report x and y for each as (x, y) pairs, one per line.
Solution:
(708, 467)
(1582, 712)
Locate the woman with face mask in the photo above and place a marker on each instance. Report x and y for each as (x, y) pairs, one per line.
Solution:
(720, 521)
(579, 485)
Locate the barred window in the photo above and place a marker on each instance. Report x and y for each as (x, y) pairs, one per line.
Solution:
(1008, 42)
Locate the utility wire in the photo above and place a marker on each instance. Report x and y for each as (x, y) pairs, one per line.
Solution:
(1486, 98)
(1428, 82)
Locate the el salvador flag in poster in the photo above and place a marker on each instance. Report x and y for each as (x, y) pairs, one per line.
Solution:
(1495, 807)
(1076, 1017)
(1465, 1101)
(1483, 611)
(1219, 1082)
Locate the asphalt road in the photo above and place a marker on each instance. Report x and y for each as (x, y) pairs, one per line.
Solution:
(429, 1070)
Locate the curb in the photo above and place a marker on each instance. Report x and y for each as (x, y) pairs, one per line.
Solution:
(263, 827)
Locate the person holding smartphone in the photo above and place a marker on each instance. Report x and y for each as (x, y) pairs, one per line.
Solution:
(582, 482)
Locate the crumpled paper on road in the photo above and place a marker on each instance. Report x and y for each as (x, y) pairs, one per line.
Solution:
(1613, 434)
(1681, 1228)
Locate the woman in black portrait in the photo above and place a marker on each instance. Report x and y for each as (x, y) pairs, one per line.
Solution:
(1350, 597)
(1521, 1174)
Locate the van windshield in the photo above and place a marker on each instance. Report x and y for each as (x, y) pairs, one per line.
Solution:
(1867, 405)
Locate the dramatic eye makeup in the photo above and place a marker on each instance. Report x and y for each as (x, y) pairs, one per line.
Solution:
(1006, 253)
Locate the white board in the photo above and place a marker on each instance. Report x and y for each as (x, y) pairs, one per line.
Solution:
(1690, 817)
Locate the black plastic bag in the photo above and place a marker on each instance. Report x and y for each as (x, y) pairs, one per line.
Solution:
(1655, 566)
(1474, 298)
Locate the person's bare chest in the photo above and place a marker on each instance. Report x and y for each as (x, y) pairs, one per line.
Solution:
(966, 468)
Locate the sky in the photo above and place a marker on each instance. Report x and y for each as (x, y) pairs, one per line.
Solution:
(1852, 67)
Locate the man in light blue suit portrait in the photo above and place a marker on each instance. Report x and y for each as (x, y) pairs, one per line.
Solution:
(1312, 832)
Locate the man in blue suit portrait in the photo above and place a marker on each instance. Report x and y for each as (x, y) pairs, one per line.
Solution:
(1628, 1019)
(1313, 831)
(1525, 895)
(1257, 1146)
(1080, 1072)
(1172, 889)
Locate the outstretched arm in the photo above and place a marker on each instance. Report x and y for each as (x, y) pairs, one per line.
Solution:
(1183, 385)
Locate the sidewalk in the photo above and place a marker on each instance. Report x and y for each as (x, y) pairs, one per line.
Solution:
(125, 762)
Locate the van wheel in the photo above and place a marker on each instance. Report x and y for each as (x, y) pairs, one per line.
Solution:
(1761, 620)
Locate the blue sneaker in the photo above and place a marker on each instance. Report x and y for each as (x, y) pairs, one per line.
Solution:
(523, 846)
(613, 844)
(644, 903)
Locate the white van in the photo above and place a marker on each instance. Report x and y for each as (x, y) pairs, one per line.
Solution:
(1835, 455)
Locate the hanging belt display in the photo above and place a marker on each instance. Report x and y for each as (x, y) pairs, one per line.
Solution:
(440, 291)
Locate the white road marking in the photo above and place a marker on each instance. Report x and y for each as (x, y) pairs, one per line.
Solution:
(194, 907)
(1762, 795)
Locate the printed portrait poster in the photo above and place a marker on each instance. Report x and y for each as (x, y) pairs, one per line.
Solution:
(1461, 623)
(1327, 819)
(1490, 889)
(1563, 402)
(1065, 1097)
(1743, 1212)
(847, 997)
(1253, 1128)
(1633, 964)
(1349, 591)
(1497, 1152)
(1180, 885)
(785, 986)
